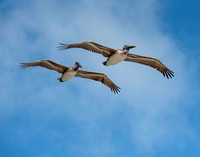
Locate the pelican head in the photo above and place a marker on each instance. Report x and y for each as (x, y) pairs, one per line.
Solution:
(77, 64)
(128, 47)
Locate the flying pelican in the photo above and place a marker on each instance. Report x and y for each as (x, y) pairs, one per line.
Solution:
(69, 72)
(115, 56)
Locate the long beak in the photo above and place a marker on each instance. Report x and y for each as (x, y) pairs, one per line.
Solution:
(132, 46)
(80, 66)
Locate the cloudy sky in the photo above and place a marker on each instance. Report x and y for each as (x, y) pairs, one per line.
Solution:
(152, 116)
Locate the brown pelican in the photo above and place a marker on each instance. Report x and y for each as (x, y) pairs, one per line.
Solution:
(69, 72)
(115, 56)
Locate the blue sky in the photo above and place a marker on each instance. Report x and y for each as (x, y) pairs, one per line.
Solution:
(152, 116)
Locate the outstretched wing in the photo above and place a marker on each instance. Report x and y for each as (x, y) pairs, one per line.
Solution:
(99, 77)
(152, 62)
(46, 64)
(103, 47)
(91, 46)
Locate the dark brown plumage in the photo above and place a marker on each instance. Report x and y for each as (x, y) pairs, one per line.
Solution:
(90, 46)
(98, 77)
(152, 62)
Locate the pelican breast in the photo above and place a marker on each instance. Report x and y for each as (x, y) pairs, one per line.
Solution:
(116, 58)
(68, 74)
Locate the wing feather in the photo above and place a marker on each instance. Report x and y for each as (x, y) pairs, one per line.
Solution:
(46, 64)
(104, 47)
(152, 62)
(99, 77)
(90, 46)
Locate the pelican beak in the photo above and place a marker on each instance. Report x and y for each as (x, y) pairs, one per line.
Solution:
(132, 46)
(80, 66)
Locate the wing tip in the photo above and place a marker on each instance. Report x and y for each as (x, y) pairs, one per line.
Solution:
(115, 89)
(169, 74)
(23, 65)
(62, 47)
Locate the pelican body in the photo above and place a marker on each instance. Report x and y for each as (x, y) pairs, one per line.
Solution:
(118, 56)
(114, 56)
(69, 72)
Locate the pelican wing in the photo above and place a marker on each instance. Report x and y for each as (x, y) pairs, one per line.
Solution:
(152, 62)
(99, 77)
(46, 64)
(91, 46)
(104, 47)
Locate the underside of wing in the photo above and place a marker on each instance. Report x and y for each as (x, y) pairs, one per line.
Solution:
(90, 46)
(46, 64)
(99, 77)
(152, 62)
(104, 47)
